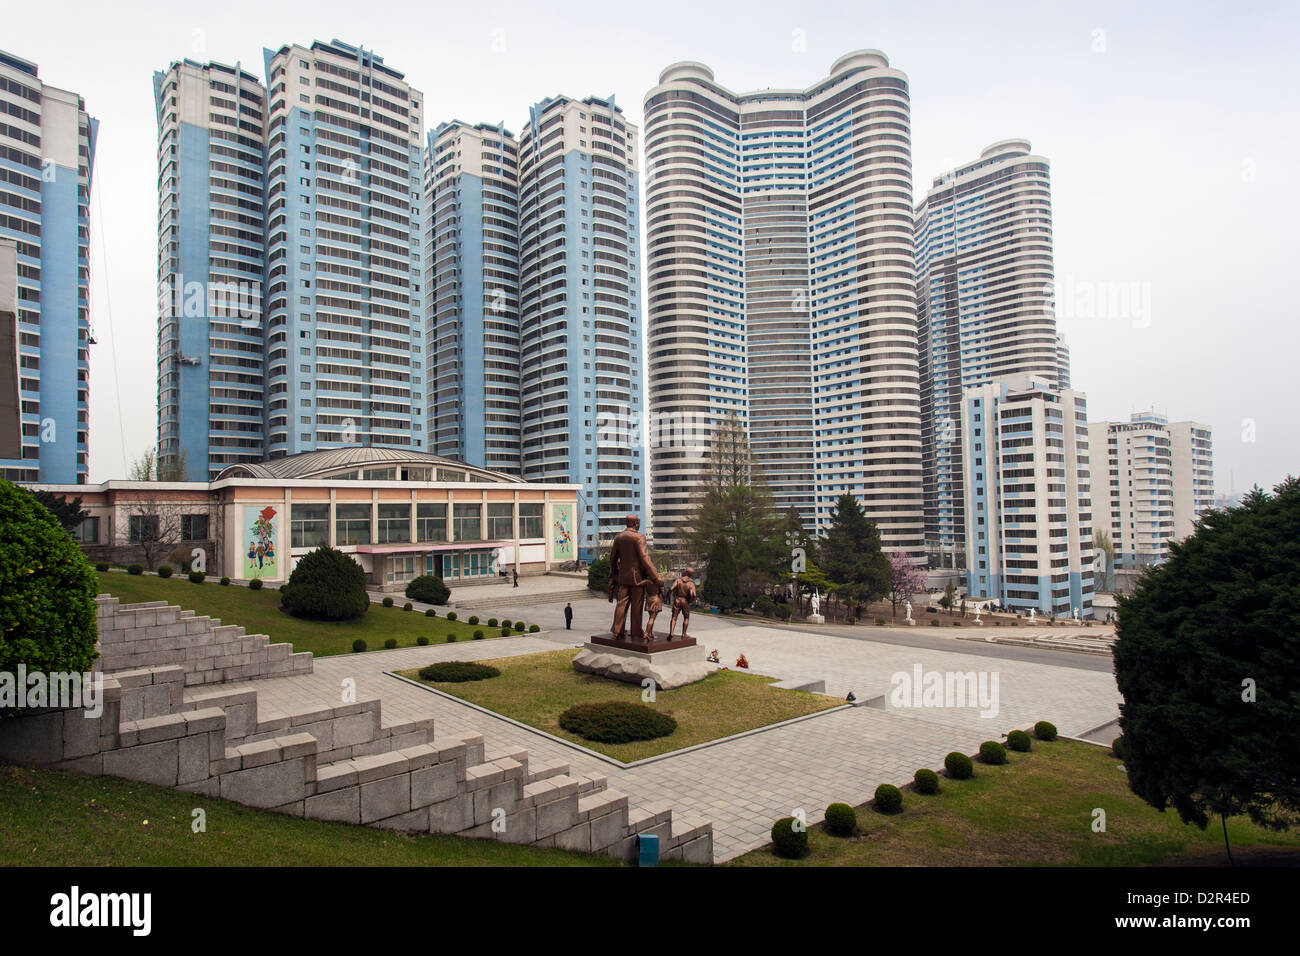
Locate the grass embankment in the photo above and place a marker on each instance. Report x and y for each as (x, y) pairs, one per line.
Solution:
(1038, 809)
(536, 688)
(258, 612)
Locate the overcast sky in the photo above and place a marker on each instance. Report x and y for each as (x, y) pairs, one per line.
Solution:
(1172, 128)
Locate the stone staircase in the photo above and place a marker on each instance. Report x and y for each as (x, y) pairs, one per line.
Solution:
(505, 600)
(170, 725)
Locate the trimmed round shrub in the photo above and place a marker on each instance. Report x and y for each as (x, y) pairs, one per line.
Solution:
(390, 643)
(457, 672)
(451, 615)
(507, 623)
(787, 840)
(889, 799)
(328, 585)
(1044, 730)
(388, 602)
(616, 722)
(428, 589)
(493, 622)
(1019, 740)
(519, 626)
(358, 646)
(478, 635)
(164, 570)
(422, 641)
(880, 622)
(255, 584)
(926, 781)
(841, 819)
(505, 632)
(407, 606)
(135, 569)
(783, 612)
(47, 589)
(225, 581)
(451, 638)
(196, 577)
(430, 613)
(472, 619)
(534, 628)
(959, 766)
(956, 623)
(934, 622)
(101, 565)
(1119, 747)
(992, 752)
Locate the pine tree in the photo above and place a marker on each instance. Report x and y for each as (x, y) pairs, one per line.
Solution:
(721, 585)
(850, 554)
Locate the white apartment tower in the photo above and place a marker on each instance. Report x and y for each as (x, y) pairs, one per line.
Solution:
(781, 288)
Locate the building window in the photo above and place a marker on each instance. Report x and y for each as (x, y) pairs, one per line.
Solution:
(352, 524)
(501, 521)
(530, 520)
(431, 522)
(142, 528)
(194, 527)
(465, 522)
(394, 523)
(309, 526)
(88, 531)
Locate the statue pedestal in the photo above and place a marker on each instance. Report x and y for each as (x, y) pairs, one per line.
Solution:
(669, 664)
(910, 622)
(816, 619)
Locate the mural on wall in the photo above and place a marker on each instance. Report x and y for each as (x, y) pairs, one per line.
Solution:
(259, 542)
(562, 532)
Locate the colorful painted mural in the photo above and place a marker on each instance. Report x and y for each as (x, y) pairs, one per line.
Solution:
(563, 532)
(259, 542)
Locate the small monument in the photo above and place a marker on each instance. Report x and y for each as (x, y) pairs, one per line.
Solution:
(1033, 611)
(816, 603)
(631, 651)
(1076, 615)
(908, 620)
(978, 609)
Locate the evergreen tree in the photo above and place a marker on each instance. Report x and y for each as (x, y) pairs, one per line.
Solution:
(1207, 659)
(851, 557)
(721, 585)
(67, 511)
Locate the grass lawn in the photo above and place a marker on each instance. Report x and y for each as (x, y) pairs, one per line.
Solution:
(536, 688)
(1036, 809)
(50, 818)
(258, 612)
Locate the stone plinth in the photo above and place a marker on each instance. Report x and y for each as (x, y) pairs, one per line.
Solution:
(816, 619)
(669, 665)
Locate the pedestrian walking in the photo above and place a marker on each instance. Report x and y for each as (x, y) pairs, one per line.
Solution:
(516, 577)
(568, 617)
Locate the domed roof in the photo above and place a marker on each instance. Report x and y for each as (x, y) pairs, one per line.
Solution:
(328, 462)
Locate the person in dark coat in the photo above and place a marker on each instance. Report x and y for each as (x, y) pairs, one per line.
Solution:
(568, 617)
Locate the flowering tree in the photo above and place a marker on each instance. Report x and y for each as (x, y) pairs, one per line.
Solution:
(905, 579)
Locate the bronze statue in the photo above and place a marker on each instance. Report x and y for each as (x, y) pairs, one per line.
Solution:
(630, 571)
(682, 594)
(654, 603)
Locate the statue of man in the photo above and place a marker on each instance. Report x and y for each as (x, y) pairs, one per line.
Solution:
(682, 594)
(630, 572)
(816, 602)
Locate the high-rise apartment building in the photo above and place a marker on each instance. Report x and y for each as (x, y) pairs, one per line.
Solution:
(47, 151)
(211, 233)
(1153, 480)
(580, 310)
(471, 282)
(781, 288)
(1028, 500)
(984, 307)
(343, 300)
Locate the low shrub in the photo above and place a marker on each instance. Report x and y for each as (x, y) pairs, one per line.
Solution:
(934, 622)
(783, 612)
(533, 628)
(431, 613)
(196, 577)
(493, 622)
(473, 619)
(926, 781)
(135, 569)
(225, 581)
(428, 589)
(616, 722)
(451, 615)
(841, 819)
(880, 622)
(992, 752)
(956, 623)
(505, 632)
(422, 641)
(255, 584)
(959, 766)
(101, 566)
(1044, 730)
(457, 672)
(407, 606)
(889, 799)
(507, 623)
(451, 638)
(358, 646)
(1019, 740)
(478, 635)
(789, 838)
(390, 643)
(387, 602)
(519, 626)
(164, 570)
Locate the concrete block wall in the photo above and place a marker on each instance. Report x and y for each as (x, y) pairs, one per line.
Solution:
(135, 636)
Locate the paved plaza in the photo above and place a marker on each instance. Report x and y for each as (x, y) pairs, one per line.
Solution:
(743, 785)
